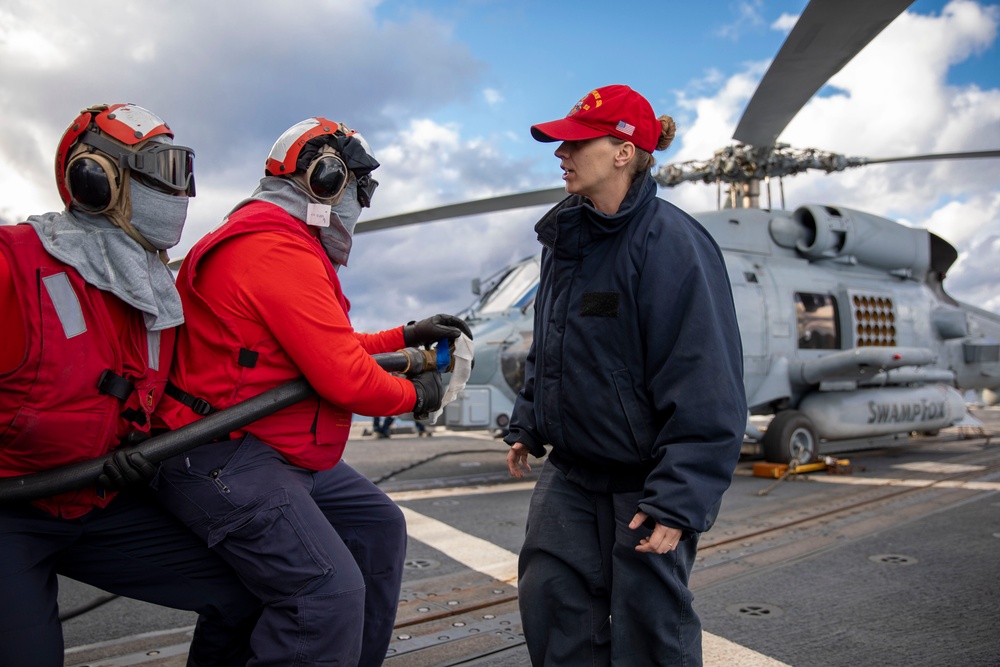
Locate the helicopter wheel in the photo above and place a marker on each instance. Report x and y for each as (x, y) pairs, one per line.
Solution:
(790, 436)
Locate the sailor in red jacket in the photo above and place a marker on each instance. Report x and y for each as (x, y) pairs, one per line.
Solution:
(320, 544)
(89, 317)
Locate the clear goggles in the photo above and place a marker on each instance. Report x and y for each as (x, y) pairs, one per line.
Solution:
(165, 167)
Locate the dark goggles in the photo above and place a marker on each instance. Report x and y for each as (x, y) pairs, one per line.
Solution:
(161, 166)
(366, 188)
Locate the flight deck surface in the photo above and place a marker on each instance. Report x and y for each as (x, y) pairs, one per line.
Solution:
(890, 561)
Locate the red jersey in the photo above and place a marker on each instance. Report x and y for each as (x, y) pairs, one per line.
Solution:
(263, 306)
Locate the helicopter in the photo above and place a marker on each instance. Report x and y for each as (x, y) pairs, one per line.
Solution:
(849, 338)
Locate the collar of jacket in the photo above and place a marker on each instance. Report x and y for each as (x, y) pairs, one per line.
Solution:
(578, 208)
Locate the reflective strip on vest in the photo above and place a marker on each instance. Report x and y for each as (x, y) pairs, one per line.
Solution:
(153, 349)
(67, 304)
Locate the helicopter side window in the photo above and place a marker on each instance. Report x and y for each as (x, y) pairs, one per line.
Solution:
(816, 318)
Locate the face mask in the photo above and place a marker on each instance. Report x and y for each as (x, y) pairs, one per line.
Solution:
(157, 216)
(338, 237)
(336, 241)
(349, 209)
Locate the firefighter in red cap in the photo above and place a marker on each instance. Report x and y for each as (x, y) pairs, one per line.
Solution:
(90, 313)
(320, 544)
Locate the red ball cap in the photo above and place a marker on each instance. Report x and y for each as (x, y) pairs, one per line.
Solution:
(616, 111)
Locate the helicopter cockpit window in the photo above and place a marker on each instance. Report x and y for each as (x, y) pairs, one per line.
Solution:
(515, 290)
(816, 318)
(528, 298)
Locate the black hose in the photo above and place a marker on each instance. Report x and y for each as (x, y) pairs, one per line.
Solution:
(161, 447)
(433, 457)
(87, 607)
(158, 448)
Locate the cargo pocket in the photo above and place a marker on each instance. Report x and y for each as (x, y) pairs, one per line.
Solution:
(274, 552)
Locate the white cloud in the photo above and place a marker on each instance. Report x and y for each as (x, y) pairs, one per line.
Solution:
(227, 76)
(493, 96)
(428, 268)
(785, 22)
(747, 14)
(229, 87)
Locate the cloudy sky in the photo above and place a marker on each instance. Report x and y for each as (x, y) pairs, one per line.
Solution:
(445, 91)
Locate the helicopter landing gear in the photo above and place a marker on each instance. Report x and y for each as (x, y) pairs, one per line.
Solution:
(791, 436)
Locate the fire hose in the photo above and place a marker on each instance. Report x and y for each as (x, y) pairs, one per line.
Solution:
(408, 361)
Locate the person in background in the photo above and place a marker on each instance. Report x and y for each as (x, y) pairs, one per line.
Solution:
(634, 382)
(320, 544)
(382, 426)
(89, 318)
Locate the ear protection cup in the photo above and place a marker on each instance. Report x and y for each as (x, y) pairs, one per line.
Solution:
(327, 176)
(93, 182)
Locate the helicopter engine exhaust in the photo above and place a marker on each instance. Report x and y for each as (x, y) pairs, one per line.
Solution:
(828, 232)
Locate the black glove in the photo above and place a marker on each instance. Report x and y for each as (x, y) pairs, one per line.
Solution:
(433, 329)
(429, 394)
(125, 468)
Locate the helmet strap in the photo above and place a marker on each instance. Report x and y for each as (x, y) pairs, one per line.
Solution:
(121, 216)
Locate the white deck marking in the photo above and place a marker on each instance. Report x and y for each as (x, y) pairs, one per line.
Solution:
(916, 483)
(401, 496)
(473, 552)
(484, 556)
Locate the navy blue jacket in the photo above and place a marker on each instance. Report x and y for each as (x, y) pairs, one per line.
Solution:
(635, 373)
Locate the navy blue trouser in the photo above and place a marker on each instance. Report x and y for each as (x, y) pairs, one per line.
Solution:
(132, 548)
(323, 550)
(587, 597)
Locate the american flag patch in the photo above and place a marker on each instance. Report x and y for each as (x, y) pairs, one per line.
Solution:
(625, 128)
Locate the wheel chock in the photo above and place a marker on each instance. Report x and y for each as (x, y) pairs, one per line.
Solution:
(778, 470)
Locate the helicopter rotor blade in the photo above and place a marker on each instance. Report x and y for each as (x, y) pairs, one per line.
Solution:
(475, 207)
(935, 156)
(828, 34)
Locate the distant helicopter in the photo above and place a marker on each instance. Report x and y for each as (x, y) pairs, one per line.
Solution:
(849, 338)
